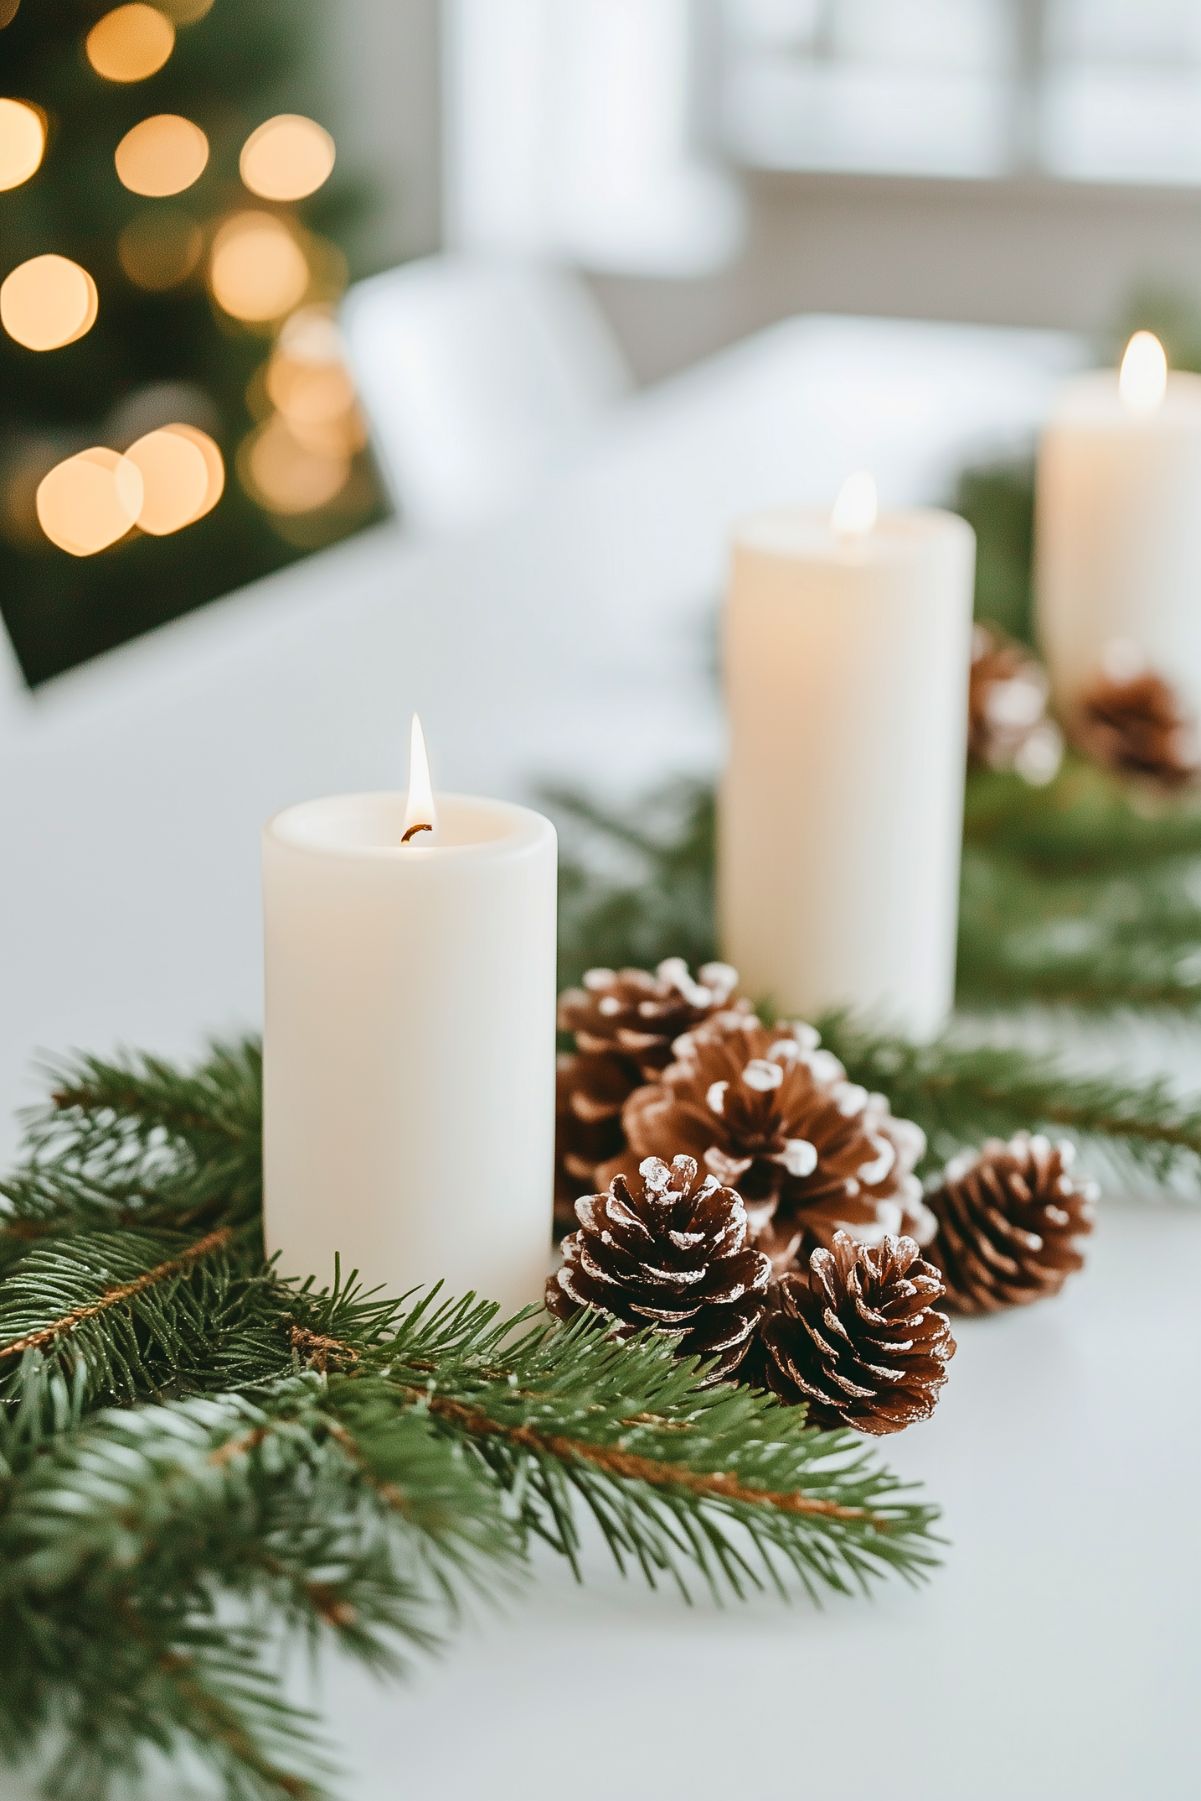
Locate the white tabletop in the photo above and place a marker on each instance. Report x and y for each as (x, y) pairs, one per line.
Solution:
(1056, 1654)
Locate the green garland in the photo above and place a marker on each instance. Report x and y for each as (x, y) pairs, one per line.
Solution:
(194, 1454)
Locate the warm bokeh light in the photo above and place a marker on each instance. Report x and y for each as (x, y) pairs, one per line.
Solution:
(1143, 377)
(48, 302)
(89, 501)
(22, 142)
(855, 509)
(182, 474)
(308, 382)
(287, 158)
(161, 248)
(284, 475)
(257, 269)
(8, 12)
(130, 43)
(185, 12)
(162, 155)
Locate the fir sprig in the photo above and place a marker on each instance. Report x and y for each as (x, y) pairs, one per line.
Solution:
(1086, 904)
(1086, 822)
(961, 1093)
(336, 1463)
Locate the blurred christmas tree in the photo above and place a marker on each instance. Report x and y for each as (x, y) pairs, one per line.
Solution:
(177, 419)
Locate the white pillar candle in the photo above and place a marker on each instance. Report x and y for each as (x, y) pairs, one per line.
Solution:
(409, 1054)
(846, 667)
(1118, 563)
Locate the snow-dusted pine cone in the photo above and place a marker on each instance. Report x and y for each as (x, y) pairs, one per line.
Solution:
(1137, 724)
(624, 1023)
(1008, 723)
(1009, 1218)
(856, 1336)
(765, 1110)
(589, 1095)
(663, 1250)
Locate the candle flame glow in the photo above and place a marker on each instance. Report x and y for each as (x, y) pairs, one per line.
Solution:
(420, 813)
(1144, 373)
(854, 513)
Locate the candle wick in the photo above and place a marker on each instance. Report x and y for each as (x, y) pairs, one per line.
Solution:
(413, 830)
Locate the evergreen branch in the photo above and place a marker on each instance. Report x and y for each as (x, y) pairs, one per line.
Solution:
(961, 1093)
(1055, 931)
(41, 1336)
(633, 1467)
(129, 1308)
(161, 1516)
(379, 1461)
(1076, 942)
(674, 1473)
(1085, 822)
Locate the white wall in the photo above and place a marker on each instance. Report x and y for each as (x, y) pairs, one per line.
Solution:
(1011, 254)
(383, 77)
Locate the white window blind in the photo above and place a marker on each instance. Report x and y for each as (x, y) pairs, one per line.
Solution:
(1103, 90)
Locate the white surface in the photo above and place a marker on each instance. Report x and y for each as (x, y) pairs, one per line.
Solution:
(409, 1044)
(846, 665)
(1056, 1655)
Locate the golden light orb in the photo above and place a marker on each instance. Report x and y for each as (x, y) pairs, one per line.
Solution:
(186, 12)
(257, 269)
(130, 43)
(287, 158)
(162, 155)
(307, 379)
(159, 249)
(182, 474)
(22, 142)
(284, 475)
(89, 501)
(48, 302)
(8, 12)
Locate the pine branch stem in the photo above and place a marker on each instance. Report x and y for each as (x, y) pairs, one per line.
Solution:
(630, 1466)
(612, 1459)
(114, 1297)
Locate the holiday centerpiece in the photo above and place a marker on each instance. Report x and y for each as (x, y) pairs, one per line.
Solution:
(771, 1204)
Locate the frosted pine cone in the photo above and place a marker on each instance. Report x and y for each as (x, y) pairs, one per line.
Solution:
(664, 1251)
(589, 1095)
(765, 1110)
(1131, 720)
(856, 1336)
(1008, 1221)
(624, 1023)
(1008, 723)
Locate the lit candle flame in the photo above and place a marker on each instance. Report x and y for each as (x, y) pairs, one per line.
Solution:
(420, 813)
(854, 514)
(1144, 373)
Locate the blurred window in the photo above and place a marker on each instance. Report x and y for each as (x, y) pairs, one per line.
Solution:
(1094, 90)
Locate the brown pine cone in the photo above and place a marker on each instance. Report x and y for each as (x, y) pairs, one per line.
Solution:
(766, 1111)
(589, 1095)
(856, 1336)
(1133, 721)
(1008, 724)
(667, 1252)
(1008, 1220)
(624, 1023)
